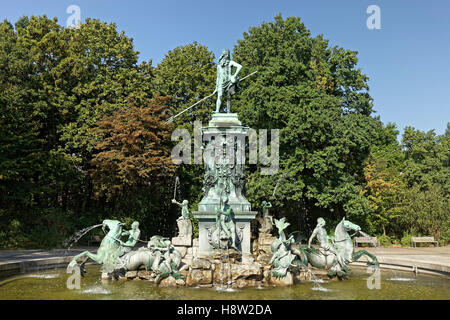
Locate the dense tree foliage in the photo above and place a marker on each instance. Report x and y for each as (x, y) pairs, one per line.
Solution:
(187, 74)
(407, 185)
(83, 135)
(319, 100)
(56, 83)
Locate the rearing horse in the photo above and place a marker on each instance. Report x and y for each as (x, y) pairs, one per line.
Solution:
(109, 249)
(344, 247)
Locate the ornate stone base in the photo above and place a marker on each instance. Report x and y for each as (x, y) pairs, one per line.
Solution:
(242, 227)
(224, 120)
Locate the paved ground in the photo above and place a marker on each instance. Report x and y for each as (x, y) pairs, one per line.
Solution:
(20, 261)
(422, 259)
(7, 256)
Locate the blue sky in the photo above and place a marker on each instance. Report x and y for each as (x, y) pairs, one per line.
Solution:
(407, 60)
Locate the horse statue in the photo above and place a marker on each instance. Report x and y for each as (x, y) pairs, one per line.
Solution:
(109, 249)
(160, 256)
(343, 245)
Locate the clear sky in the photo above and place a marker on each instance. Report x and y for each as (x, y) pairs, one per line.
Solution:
(407, 60)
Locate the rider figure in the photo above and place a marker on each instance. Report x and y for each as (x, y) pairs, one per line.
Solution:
(321, 233)
(133, 237)
(226, 82)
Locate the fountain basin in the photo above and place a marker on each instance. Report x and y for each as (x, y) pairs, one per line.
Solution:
(51, 284)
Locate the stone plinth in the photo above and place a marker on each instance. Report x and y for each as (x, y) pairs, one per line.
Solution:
(182, 241)
(207, 219)
(224, 120)
(224, 158)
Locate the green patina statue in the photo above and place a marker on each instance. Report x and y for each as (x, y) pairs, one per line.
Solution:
(333, 255)
(165, 259)
(321, 234)
(110, 248)
(117, 256)
(336, 255)
(225, 222)
(184, 223)
(283, 259)
(222, 234)
(133, 238)
(226, 82)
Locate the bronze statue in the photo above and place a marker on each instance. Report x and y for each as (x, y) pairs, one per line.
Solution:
(226, 82)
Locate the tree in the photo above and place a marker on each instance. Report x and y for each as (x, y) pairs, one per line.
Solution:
(426, 159)
(132, 163)
(425, 212)
(426, 174)
(134, 149)
(383, 183)
(320, 102)
(55, 83)
(187, 74)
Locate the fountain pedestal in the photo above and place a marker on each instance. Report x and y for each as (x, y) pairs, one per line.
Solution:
(224, 160)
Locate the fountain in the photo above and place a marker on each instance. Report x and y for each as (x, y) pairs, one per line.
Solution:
(222, 256)
(68, 243)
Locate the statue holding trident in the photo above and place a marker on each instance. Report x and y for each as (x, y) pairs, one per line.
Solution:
(226, 82)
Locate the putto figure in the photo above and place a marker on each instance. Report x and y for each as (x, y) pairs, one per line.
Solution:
(226, 82)
(133, 237)
(184, 223)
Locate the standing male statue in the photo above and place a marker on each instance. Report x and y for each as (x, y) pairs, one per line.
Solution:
(226, 82)
(321, 233)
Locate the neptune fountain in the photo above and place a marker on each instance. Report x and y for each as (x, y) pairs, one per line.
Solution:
(223, 254)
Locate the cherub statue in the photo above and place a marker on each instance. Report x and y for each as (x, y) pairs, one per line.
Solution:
(266, 220)
(184, 223)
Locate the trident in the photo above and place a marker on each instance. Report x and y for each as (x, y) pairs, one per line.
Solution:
(178, 114)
